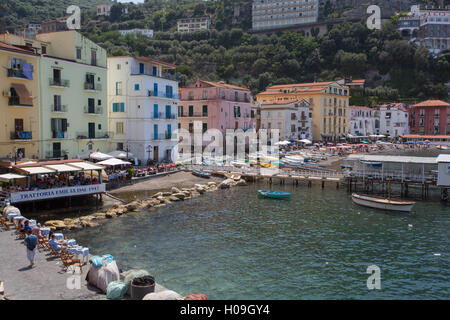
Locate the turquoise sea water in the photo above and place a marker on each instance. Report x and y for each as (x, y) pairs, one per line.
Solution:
(318, 245)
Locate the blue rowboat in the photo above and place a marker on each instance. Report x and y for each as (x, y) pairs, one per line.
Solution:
(201, 174)
(274, 194)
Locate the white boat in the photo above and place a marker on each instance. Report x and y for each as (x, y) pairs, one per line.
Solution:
(382, 203)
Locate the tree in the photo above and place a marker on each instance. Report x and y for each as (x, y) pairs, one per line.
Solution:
(116, 12)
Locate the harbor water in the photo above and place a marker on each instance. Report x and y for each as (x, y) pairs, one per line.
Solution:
(230, 244)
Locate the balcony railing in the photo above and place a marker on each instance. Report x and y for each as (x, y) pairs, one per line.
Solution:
(15, 101)
(59, 134)
(93, 110)
(59, 108)
(59, 83)
(162, 94)
(94, 135)
(163, 115)
(21, 135)
(16, 73)
(92, 86)
(194, 115)
(56, 154)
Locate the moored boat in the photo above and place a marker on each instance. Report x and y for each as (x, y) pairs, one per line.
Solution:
(382, 203)
(201, 174)
(274, 194)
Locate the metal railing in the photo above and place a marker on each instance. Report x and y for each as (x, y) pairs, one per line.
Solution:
(15, 101)
(163, 115)
(162, 94)
(93, 110)
(94, 135)
(59, 83)
(194, 115)
(391, 175)
(92, 86)
(21, 135)
(60, 108)
(16, 73)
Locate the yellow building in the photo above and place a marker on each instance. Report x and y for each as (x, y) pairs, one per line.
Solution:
(328, 100)
(19, 137)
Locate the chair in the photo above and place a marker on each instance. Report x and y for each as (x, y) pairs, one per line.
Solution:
(5, 223)
(67, 262)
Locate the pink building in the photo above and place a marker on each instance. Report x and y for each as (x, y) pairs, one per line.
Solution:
(217, 105)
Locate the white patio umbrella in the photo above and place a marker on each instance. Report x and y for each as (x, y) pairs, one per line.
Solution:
(113, 162)
(121, 154)
(9, 176)
(100, 156)
(282, 143)
(305, 141)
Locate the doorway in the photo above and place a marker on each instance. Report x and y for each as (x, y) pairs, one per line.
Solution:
(156, 153)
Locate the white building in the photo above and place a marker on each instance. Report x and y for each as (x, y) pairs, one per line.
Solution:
(193, 24)
(394, 119)
(363, 121)
(274, 14)
(142, 107)
(104, 9)
(292, 117)
(144, 32)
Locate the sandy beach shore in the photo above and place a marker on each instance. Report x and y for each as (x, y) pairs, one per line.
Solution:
(180, 179)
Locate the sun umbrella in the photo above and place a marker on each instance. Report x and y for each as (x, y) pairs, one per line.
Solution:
(113, 162)
(121, 154)
(100, 156)
(306, 141)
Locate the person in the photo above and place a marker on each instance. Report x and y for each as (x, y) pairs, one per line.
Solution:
(31, 242)
(37, 230)
(56, 245)
(27, 226)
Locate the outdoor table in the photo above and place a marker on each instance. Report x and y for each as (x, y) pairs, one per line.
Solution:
(59, 236)
(32, 222)
(11, 216)
(85, 253)
(71, 242)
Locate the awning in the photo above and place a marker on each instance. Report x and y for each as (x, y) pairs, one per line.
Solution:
(100, 156)
(113, 162)
(62, 168)
(37, 170)
(25, 97)
(86, 166)
(121, 154)
(9, 176)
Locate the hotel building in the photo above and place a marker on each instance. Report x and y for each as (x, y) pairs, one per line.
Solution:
(142, 107)
(275, 14)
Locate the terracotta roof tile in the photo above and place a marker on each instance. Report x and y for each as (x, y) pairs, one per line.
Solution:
(432, 103)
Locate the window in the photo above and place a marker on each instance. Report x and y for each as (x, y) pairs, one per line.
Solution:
(191, 127)
(59, 128)
(115, 107)
(155, 132)
(122, 107)
(44, 50)
(78, 53)
(155, 111)
(236, 96)
(118, 67)
(118, 88)
(205, 95)
(136, 87)
(191, 111)
(93, 57)
(204, 127)
(205, 111)
(119, 127)
(168, 112)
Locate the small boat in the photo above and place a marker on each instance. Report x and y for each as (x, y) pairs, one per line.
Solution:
(201, 174)
(274, 194)
(382, 203)
(266, 165)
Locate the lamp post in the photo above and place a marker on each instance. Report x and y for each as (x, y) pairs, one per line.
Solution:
(149, 149)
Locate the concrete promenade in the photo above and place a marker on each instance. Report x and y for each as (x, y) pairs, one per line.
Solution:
(45, 281)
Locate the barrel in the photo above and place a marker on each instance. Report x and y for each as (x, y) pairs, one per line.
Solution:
(142, 286)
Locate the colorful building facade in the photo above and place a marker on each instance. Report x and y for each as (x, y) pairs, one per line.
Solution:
(430, 117)
(216, 105)
(329, 103)
(142, 107)
(19, 137)
(73, 77)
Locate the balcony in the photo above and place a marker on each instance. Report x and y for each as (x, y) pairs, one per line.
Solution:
(89, 86)
(168, 76)
(59, 83)
(16, 73)
(59, 108)
(59, 134)
(93, 111)
(21, 135)
(163, 115)
(15, 102)
(162, 94)
(194, 115)
(98, 135)
(56, 154)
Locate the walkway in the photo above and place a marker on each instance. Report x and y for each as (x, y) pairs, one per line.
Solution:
(45, 281)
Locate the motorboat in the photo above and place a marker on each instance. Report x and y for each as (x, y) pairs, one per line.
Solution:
(201, 174)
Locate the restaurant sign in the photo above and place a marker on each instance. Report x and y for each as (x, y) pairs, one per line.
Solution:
(57, 193)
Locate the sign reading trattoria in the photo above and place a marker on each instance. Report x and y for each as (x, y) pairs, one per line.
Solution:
(57, 193)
